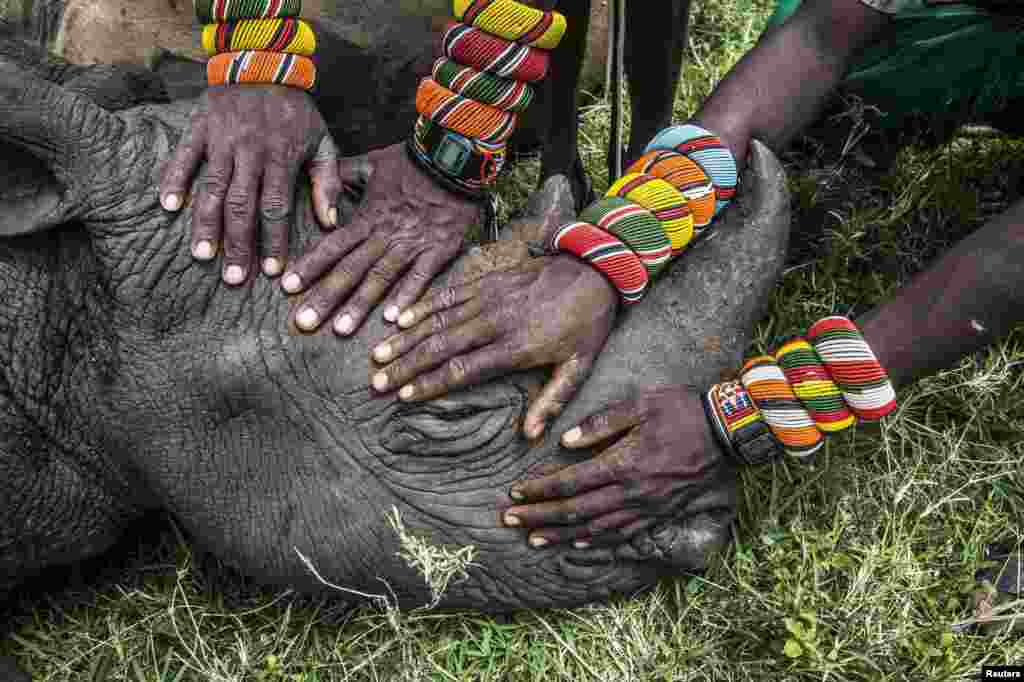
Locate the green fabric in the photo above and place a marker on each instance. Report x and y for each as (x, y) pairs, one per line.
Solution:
(951, 60)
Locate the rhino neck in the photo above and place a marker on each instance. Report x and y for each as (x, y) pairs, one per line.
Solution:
(64, 497)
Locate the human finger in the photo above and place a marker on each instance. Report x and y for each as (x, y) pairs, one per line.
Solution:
(565, 381)
(334, 288)
(240, 216)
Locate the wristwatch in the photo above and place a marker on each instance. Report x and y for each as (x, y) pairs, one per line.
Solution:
(738, 425)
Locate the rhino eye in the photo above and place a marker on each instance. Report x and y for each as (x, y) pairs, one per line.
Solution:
(467, 422)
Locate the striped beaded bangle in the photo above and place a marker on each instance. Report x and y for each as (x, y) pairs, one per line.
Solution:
(211, 11)
(687, 177)
(472, 47)
(708, 151)
(470, 163)
(261, 67)
(739, 425)
(853, 367)
(786, 417)
(634, 225)
(661, 199)
(606, 253)
(814, 387)
(513, 21)
(463, 115)
(500, 93)
(292, 36)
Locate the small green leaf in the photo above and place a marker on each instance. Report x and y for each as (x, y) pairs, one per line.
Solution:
(947, 640)
(793, 649)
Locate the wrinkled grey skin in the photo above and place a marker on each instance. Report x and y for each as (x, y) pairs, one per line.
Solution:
(133, 379)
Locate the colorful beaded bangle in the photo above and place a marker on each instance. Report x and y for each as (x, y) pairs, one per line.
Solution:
(472, 47)
(513, 21)
(634, 225)
(687, 177)
(211, 11)
(739, 425)
(786, 417)
(500, 93)
(261, 67)
(814, 387)
(853, 367)
(292, 36)
(606, 253)
(661, 199)
(708, 151)
(463, 115)
(473, 164)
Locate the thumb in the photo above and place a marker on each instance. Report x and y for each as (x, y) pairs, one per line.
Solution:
(565, 381)
(62, 129)
(327, 183)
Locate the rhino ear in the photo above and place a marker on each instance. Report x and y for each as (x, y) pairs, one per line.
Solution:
(49, 142)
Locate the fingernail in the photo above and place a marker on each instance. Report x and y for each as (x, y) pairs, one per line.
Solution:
(516, 494)
(535, 430)
(391, 313)
(234, 274)
(291, 283)
(170, 202)
(572, 435)
(581, 544)
(344, 324)
(406, 319)
(406, 392)
(511, 520)
(307, 319)
(332, 216)
(383, 352)
(271, 267)
(203, 250)
(380, 381)
(538, 542)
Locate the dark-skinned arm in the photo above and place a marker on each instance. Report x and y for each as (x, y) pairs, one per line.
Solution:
(780, 85)
(971, 297)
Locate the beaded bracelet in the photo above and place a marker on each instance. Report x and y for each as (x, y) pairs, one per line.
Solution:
(261, 67)
(687, 177)
(292, 36)
(463, 115)
(472, 47)
(637, 227)
(606, 253)
(469, 163)
(513, 21)
(661, 199)
(814, 387)
(211, 11)
(486, 88)
(853, 367)
(786, 417)
(708, 151)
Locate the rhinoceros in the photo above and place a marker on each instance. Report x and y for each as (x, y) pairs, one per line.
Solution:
(134, 379)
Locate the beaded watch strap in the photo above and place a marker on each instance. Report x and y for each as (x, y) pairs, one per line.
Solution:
(738, 425)
(467, 162)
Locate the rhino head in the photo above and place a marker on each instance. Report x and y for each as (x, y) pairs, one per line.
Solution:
(134, 379)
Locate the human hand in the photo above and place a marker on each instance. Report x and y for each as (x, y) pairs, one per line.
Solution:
(665, 457)
(550, 311)
(255, 139)
(404, 232)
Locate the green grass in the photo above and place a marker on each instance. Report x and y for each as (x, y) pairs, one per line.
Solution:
(852, 570)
